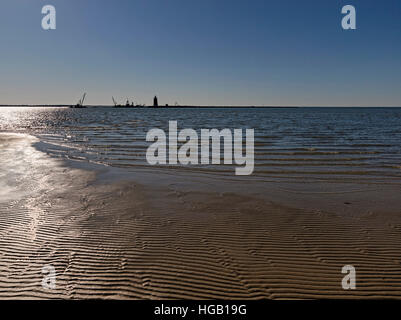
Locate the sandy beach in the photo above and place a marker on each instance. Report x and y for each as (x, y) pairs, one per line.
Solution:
(172, 235)
(167, 152)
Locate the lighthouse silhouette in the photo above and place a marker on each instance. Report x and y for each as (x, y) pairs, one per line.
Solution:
(155, 104)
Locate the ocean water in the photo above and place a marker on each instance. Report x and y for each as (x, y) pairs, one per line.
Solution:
(328, 144)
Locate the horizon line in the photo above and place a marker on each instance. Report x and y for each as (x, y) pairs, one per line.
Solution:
(201, 106)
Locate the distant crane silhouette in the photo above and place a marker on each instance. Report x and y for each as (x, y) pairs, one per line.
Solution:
(115, 102)
(80, 103)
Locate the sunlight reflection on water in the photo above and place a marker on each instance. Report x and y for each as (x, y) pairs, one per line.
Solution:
(298, 143)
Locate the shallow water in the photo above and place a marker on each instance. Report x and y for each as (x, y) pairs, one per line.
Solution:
(331, 144)
(154, 235)
(22, 166)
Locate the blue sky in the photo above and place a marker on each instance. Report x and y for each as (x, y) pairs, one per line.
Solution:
(209, 52)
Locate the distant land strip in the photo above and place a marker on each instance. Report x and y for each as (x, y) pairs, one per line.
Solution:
(140, 107)
(187, 106)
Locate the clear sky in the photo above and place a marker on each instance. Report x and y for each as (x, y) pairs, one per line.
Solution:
(202, 52)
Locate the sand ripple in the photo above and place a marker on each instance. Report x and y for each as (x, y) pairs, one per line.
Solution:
(124, 240)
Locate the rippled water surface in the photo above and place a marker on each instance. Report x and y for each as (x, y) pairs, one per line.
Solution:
(292, 143)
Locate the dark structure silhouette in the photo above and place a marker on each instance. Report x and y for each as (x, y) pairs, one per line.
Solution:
(80, 103)
(155, 104)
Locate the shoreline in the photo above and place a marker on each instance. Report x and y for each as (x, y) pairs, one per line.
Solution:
(148, 235)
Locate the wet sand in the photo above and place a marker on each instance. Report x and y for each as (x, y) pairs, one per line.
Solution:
(170, 235)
